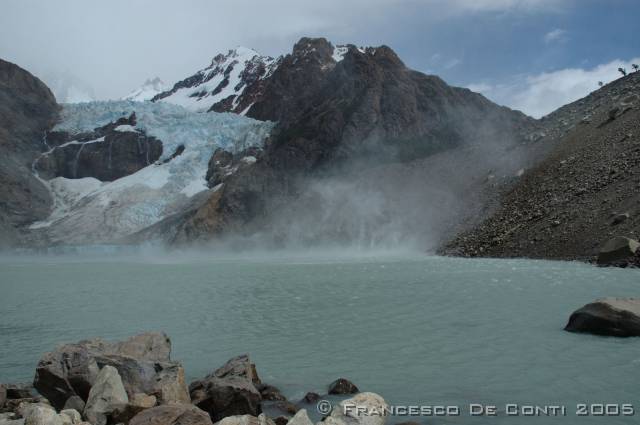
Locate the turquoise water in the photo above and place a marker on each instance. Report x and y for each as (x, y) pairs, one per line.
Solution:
(417, 330)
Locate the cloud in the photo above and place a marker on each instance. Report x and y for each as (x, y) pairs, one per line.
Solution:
(556, 35)
(538, 95)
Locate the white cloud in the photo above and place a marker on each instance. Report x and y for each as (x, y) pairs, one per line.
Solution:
(538, 95)
(556, 35)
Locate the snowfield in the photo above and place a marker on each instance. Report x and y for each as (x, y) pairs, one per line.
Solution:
(108, 211)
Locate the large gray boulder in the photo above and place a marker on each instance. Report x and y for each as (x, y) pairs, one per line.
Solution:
(608, 316)
(40, 414)
(143, 363)
(172, 414)
(617, 249)
(361, 409)
(106, 395)
(240, 366)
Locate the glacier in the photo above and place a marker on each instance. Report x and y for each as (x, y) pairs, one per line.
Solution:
(90, 211)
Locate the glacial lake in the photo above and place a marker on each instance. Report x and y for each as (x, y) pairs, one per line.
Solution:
(417, 330)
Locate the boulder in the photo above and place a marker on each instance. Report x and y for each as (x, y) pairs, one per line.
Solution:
(271, 393)
(238, 366)
(143, 363)
(70, 417)
(281, 420)
(608, 316)
(311, 397)
(342, 386)
(262, 419)
(137, 403)
(172, 414)
(3, 395)
(362, 409)
(617, 249)
(222, 397)
(106, 394)
(40, 414)
(300, 418)
(74, 402)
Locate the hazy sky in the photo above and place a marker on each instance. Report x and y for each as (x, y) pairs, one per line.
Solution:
(529, 54)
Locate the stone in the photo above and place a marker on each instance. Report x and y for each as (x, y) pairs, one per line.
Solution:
(70, 417)
(262, 419)
(281, 420)
(172, 414)
(143, 363)
(229, 396)
(619, 218)
(342, 386)
(311, 397)
(18, 391)
(3, 395)
(608, 316)
(271, 393)
(238, 366)
(105, 396)
(362, 409)
(617, 249)
(39, 414)
(137, 403)
(300, 418)
(74, 402)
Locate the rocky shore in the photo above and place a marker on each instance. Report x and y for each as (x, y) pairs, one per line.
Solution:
(95, 382)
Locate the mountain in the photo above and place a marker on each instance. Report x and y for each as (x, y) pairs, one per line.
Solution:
(585, 191)
(27, 110)
(147, 91)
(230, 84)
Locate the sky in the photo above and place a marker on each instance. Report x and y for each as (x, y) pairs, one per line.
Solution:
(531, 55)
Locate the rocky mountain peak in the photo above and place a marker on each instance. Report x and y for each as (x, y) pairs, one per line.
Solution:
(150, 88)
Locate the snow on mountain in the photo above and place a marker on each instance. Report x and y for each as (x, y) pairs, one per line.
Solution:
(228, 84)
(111, 210)
(147, 91)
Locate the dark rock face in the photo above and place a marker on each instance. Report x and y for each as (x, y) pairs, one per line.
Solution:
(618, 249)
(174, 414)
(224, 163)
(610, 317)
(343, 386)
(221, 397)
(17, 391)
(105, 154)
(269, 392)
(564, 206)
(3, 395)
(143, 363)
(368, 107)
(229, 390)
(27, 110)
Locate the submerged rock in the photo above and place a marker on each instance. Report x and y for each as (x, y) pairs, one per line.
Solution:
(106, 394)
(608, 316)
(142, 362)
(311, 397)
(172, 414)
(342, 386)
(617, 249)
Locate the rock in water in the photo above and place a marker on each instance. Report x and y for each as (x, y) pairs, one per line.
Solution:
(238, 366)
(617, 249)
(362, 409)
(222, 397)
(142, 361)
(311, 397)
(3, 395)
(172, 414)
(106, 394)
(300, 418)
(608, 316)
(343, 386)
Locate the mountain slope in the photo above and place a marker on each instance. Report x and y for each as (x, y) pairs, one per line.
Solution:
(584, 192)
(365, 114)
(27, 109)
(148, 90)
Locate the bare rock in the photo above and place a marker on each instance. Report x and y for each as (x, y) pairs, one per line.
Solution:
(311, 397)
(271, 393)
(3, 395)
(229, 396)
(74, 402)
(608, 316)
(300, 418)
(617, 249)
(70, 417)
(342, 386)
(362, 409)
(238, 366)
(105, 396)
(172, 414)
(261, 419)
(39, 414)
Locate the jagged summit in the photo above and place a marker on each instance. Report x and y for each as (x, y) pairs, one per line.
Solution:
(229, 84)
(147, 91)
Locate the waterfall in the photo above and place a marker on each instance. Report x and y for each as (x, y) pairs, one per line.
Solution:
(75, 164)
